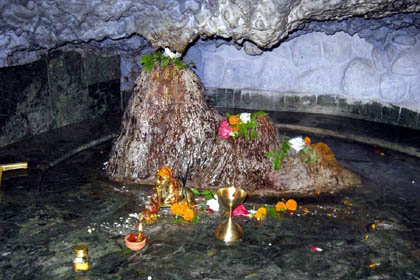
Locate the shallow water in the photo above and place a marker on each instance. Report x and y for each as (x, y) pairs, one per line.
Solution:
(38, 231)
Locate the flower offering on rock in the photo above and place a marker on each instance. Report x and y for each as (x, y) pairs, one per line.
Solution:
(261, 213)
(245, 117)
(297, 143)
(183, 210)
(280, 206)
(224, 130)
(291, 205)
(169, 121)
(240, 210)
(213, 204)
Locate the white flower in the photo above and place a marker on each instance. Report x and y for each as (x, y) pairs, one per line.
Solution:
(297, 143)
(245, 117)
(252, 211)
(169, 53)
(213, 204)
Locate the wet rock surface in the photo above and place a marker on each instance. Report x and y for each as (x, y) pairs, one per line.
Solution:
(80, 206)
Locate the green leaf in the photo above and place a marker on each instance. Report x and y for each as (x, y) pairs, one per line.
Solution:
(253, 118)
(165, 61)
(272, 211)
(260, 113)
(195, 191)
(179, 64)
(178, 220)
(254, 133)
(148, 62)
(148, 67)
(146, 59)
(195, 220)
(269, 155)
(285, 146)
(277, 163)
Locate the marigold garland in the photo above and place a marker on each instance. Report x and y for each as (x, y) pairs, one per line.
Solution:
(182, 210)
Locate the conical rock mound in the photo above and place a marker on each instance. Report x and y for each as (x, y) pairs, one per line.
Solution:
(168, 122)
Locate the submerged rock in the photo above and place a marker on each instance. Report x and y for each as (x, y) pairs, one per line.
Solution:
(168, 122)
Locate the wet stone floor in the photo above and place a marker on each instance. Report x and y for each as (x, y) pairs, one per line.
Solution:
(326, 238)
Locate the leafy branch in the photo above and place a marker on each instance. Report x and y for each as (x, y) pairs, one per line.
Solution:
(279, 155)
(248, 129)
(148, 61)
(207, 194)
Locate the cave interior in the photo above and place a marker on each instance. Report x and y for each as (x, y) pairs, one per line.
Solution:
(342, 72)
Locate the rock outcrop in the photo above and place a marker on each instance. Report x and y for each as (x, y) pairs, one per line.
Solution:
(169, 123)
(27, 26)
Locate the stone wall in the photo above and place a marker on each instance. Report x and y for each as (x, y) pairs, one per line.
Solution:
(319, 69)
(319, 104)
(57, 90)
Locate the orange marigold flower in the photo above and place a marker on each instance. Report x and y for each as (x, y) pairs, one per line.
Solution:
(188, 214)
(307, 140)
(291, 205)
(234, 120)
(184, 208)
(261, 213)
(176, 209)
(280, 206)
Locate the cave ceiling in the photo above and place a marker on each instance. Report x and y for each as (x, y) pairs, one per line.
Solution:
(30, 26)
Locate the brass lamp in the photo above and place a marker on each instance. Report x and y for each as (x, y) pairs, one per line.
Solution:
(12, 166)
(230, 231)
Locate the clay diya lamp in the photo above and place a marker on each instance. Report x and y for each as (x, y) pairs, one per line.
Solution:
(136, 241)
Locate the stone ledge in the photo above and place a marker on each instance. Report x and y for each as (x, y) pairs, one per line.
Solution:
(320, 104)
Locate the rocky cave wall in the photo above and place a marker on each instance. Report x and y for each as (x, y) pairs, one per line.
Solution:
(354, 58)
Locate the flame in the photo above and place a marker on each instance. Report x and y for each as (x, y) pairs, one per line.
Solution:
(140, 227)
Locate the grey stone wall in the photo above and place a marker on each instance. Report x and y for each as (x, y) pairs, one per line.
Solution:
(60, 89)
(341, 66)
(324, 104)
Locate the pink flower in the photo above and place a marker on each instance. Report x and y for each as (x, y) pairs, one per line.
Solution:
(240, 210)
(224, 130)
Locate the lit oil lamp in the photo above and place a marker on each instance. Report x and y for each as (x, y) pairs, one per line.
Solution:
(136, 241)
(140, 235)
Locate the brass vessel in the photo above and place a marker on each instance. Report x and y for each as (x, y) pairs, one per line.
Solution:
(230, 231)
(12, 166)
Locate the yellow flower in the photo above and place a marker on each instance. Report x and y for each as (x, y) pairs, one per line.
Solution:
(261, 213)
(280, 206)
(307, 141)
(188, 214)
(291, 205)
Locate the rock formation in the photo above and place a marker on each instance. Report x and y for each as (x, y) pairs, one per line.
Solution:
(28, 26)
(168, 122)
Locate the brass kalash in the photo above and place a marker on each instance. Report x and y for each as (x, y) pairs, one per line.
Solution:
(230, 231)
